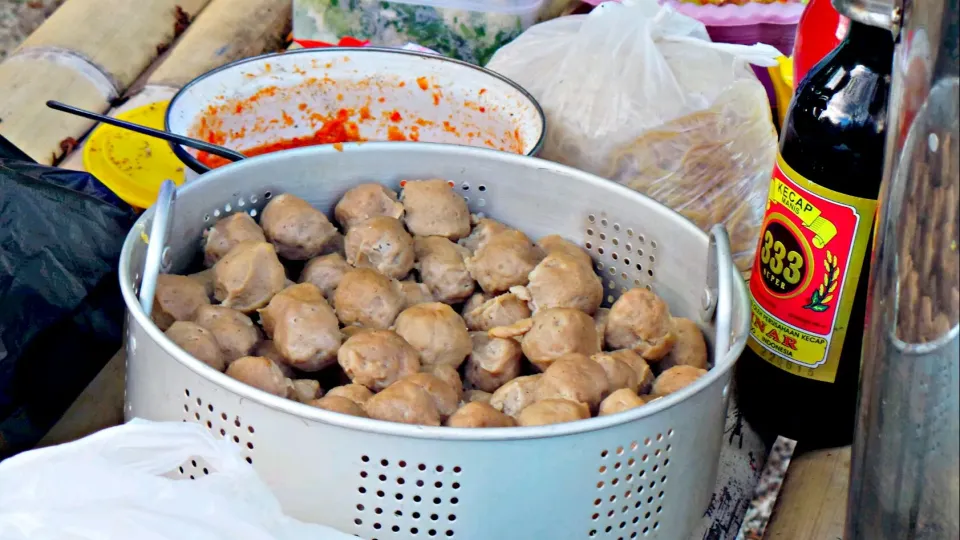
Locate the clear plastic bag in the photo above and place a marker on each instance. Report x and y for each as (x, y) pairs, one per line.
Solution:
(112, 486)
(638, 93)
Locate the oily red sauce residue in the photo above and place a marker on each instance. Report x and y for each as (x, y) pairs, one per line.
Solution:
(395, 134)
(339, 129)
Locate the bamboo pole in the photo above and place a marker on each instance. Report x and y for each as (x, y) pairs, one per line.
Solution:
(120, 37)
(226, 31)
(87, 53)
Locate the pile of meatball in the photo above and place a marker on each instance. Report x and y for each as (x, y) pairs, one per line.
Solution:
(422, 314)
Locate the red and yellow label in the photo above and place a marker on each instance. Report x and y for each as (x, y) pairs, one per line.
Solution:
(812, 247)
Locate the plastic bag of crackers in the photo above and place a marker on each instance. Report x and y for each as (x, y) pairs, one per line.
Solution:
(663, 110)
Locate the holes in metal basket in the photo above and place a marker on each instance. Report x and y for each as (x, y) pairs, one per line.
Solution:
(165, 258)
(219, 422)
(192, 469)
(617, 255)
(389, 487)
(626, 471)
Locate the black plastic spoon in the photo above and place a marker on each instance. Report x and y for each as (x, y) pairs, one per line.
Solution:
(214, 149)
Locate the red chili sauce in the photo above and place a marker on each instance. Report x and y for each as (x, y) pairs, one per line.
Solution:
(335, 130)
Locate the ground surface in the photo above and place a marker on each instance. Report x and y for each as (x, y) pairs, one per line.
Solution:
(20, 17)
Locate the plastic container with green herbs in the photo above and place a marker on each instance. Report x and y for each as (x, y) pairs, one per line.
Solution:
(470, 30)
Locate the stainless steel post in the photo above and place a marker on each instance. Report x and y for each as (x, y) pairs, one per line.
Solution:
(905, 470)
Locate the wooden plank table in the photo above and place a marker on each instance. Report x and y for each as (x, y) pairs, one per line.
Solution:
(813, 500)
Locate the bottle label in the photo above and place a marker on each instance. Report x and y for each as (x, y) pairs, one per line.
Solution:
(812, 247)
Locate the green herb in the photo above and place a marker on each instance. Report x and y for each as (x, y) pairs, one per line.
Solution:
(466, 35)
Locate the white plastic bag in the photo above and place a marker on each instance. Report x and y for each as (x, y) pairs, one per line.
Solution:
(638, 93)
(110, 486)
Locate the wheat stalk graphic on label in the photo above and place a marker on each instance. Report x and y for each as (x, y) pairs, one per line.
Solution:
(819, 300)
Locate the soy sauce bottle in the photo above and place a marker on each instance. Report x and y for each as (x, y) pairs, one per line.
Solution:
(798, 376)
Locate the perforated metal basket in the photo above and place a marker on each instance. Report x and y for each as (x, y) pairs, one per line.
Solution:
(646, 473)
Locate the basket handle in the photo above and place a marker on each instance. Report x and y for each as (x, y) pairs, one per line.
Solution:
(156, 241)
(717, 301)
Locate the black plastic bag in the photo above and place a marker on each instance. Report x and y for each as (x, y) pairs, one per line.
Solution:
(61, 313)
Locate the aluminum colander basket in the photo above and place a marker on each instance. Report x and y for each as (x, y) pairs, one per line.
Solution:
(645, 473)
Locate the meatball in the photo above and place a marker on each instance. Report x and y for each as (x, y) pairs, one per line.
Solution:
(294, 293)
(348, 332)
(364, 202)
(176, 299)
(469, 396)
(555, 243)
(442, 269)
(367, 298)
(235, 332)
(404, 402)
(356, 393)
(447, 374)
(298, 230)
(503, 261)
(325, 272)
(640, 320)
(552, 411)
(619, 401)
(445, 397)
(482, 314)
(260, 373)
(414, 293)
(559, 331)
(248, 276)
(206, 279)
(515, 330)
(303, 327)
(482, 232)
(227, 233)
(377, 358)
(432, 208)
(198, 342)
(380, 243)
(492, 362)
(619, 373)
(267, 349)
(576, 378)
(600, 319)
(563, 280)
(338, 404)
(476, 300)
(305, 390)
(639, 366)
(437, 332)
(676, 379)
(689, 348)
(479, 415)
(515, 395)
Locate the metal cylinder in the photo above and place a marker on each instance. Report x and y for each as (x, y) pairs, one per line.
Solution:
(905, 468)
(879, 13)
